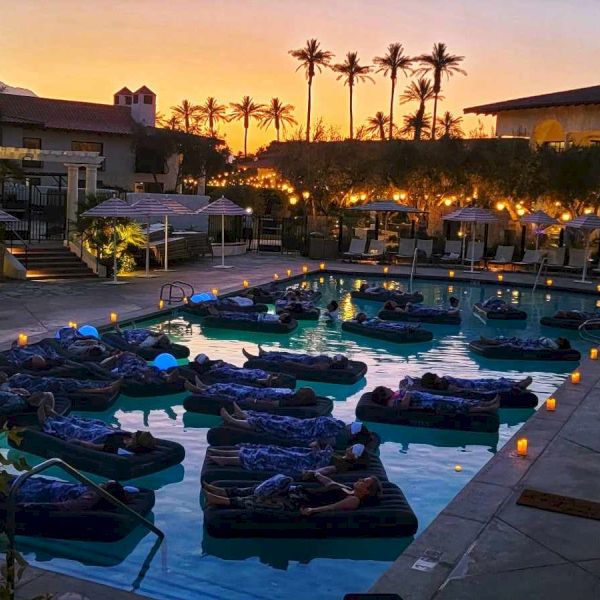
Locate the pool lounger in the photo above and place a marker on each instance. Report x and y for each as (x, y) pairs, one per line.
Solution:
(106, 525)
(398, 297)
(283, 380)
(212, 406)
(367, 410)
(513, 314)
(392, 516)
(53, 344)
(201, 309)
(224, 435)
(117, 341)
(441, 319)
(62, 405)
(258, 326)
(508, 399)
(70, 370)
(355, 371)
(212, 472)
(568, 323)
(514, 353)
(312, 314)
(112, 466)
(389, 335)
(93, 402)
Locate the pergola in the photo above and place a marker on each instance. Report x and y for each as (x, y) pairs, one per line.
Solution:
(73, 160)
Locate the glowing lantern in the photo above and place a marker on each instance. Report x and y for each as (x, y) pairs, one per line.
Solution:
(72, 324)
(22, 340)
(551, 404)
(521, 212)
(322, 266)
(215, 291)
(593, 353)
(306, 195)
(500, 278)
(575, 377)
(402, 195)
(185, 300)
(549, 282)
(522, 447)
(448, 202)
(289, 272)
(246, 283)
(386, 269)
(396, 197)
(451, 274)
(275, 276)
(293, 200)
(114, 317)
(161, 304)
(304, 269)
(598, 288)
(566, 216)
(500, 206)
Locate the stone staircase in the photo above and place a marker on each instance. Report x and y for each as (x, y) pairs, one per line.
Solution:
(51, 262)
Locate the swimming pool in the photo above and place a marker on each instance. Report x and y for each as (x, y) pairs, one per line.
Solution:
(420, 461)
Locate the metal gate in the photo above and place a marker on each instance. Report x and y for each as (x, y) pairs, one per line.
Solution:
(273, 234)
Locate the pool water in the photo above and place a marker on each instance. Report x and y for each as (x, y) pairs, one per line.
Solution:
(421, 461)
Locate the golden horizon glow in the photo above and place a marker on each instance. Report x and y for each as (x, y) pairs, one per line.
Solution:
(227, 49)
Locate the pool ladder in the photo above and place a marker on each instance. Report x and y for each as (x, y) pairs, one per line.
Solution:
(588, 336)
(539, 273)
(11, 518)
(413, 269)
(176, 291)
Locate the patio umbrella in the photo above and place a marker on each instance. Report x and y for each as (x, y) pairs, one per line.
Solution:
(6, 218)
(472, 215)
(153, 207)
(587, 224)
(386, 206)
(223, 207)
(541, 220)
(114, 208)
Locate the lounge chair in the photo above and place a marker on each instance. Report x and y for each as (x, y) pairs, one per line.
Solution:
(376, 250)
(531, 258)
(474, 252)
(356, 250)
(425, 247)
(406, 248)
(504, 256)
(556, 258)
(576, 260)
(452, 251)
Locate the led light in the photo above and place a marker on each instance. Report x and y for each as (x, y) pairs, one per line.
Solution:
(575, 377)
(304, 269)
(161, 304)
(451, 274)
(275, 276)
(246, 283)
(549, 282)
(522, 446)
(114, 317)
(22, 340)
(215, 291)
(289, 272)
(501, 278)
(551, 404)
(322, 266)
(72, 324)
(593, 353)
(386, 270)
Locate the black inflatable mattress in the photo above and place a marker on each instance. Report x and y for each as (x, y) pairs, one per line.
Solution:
(510, 314)
(516, 353)
(390, 516)
(440, 319)
(219, 322)
(570, 323)
(398, 336)
(398, 297)
(202, 309)
(62, 406)
(311, 314)
(367, 410)
(116, 340)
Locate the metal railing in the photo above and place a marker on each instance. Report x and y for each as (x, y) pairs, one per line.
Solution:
(176, 291)
(539, 273)
(586, 335)
(413, 268)
(15, 235)
(57, 462)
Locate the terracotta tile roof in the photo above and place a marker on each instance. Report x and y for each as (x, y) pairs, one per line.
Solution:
(48, 113)
(587, 95)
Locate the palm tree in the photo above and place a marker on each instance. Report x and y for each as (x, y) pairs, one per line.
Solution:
(312, 58)
(188, 113)
(418, 91)
(439, 63)
(415, 124)
(278, 114)
(352, 72)
(211, 112)
(172, 122)
(449, 126)
(395, 60)
(377, 124)
(246, 110)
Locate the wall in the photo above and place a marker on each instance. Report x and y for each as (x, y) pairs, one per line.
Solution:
(193, 202)
(578, 122)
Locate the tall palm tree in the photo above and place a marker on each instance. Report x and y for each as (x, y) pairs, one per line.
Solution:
(416, 124)
(377, 124)
(211, 112)
(171, 122)
(395, 60)
(418, 91)
(352, 72)
(187, 113)
(449, 126)
(246, 110)
(278, 114)
(312, 58)
(439, 63)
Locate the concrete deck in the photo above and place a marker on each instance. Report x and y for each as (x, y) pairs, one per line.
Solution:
(489, 548)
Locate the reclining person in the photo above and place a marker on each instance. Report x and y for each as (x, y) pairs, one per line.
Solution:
(239, 301)
(82, 346)
(560, 343)
(303, 462)
(362, 319)
(576, 315)
(144, 338)
(320, 362)
(415, 309)
(57, 385)
(268, 397)
(131, 366)
(16, 400)
(283, 317)
(413, 400)
(280, 493)
(447, 383)
(332, 311)
(317, 431)
(497, 305)
(220, 369)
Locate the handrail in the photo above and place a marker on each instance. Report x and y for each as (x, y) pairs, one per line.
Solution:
(539, 273)
(184, 284)
(25, 245)
(586, 335)
(11, 514)
(413, 269)
(169, 298)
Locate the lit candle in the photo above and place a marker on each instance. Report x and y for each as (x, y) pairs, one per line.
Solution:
(289, 272)
(451, 274)
(215, 291)
(246, 283)
(161, 304)
(275, 276)
(22, 340)
(598, 288)
(114, 317)
(500, 278)
(551, 404)
(522, 447)
(185, 300)
(575, 377)
(322, 266)
(304, 269)
(72, 325)
(386, 269)
(549, 282)
(594, 353)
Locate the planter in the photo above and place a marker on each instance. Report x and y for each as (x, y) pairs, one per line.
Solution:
(230, 249)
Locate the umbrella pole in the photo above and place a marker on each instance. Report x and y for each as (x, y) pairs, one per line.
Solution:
(472, 247)
(585, 259)
(223, 240)
(166, 242)
(148, 249)
(115, 251)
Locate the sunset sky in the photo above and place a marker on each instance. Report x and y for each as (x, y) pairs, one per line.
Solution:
(87, 50)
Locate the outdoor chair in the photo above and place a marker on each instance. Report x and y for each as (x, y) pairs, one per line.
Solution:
(406, 248)
(531, 258)
(356, 250)
(452, 251)
(504, 256)
(576, 260)
(425, 247)
(556, 258)
(376, 250)
(474, 252)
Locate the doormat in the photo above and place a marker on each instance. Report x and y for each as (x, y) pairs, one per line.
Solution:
(566, 505)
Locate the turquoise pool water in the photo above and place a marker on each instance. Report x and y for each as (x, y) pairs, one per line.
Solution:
(421, 461)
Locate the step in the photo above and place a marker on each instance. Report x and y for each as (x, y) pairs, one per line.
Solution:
(61, 276)
(63, 260)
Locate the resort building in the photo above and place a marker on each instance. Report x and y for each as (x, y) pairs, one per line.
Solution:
(558, 119)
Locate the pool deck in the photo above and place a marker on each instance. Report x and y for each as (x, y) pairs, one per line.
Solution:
(487, 547)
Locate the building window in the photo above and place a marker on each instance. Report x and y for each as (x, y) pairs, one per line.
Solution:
(135, 99)
(32, 144)
(559, 145)
(90, 147)
(147, 99)
(128, 100)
